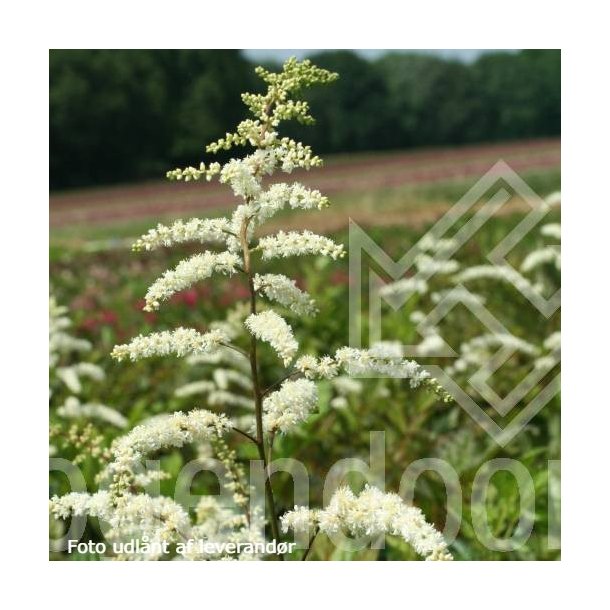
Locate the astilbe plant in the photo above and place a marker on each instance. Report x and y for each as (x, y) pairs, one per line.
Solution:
(283, 405)
(70, 376)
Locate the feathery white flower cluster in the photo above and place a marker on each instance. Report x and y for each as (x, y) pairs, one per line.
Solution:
(187, 272)
(371, 513)
(293, 243)
(383, 359)
(317, 368)
(300, 519)
(270, 327)
(280, 195)
(196, 229)
(242, 174)
(156, 518)
(179, 342)
(176, 430)
(380, 362)
(284, 291)
(362, 362)
(290, 405)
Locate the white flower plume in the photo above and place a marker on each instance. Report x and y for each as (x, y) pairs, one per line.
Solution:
(176, 430)
(290, 405)
(187, 272)
(284, 291)
(372, 513)
(270, 327)
(293, 243)
(195, 229)
(179, 342)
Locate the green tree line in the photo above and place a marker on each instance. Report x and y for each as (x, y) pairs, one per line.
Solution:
(121, 115)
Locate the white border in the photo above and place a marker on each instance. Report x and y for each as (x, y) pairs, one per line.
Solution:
(30, 29)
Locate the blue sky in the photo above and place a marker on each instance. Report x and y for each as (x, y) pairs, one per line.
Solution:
(466, 55)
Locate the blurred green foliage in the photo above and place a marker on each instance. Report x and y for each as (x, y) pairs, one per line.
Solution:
(121, 115)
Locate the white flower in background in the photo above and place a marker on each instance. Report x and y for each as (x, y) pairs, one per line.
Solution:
(284, 291)
(405, 286)
(344, 387)
(459, 294)
(553, 341)
(543, 256)
(71, 375)
(551, 346)
(503, 273)
(224, 378)
(439, 246)
(553, 200)
(188, 272)
(293, 243)
(477, 351)
(179, 342)
(194, 388)
(74, 409)
(372, 513)
(223, 398)
(432, 266)
(551, 230)
(270, 327)
(290, 405)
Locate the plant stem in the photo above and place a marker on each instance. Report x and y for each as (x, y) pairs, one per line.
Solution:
(258, 397)
(308, 549)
